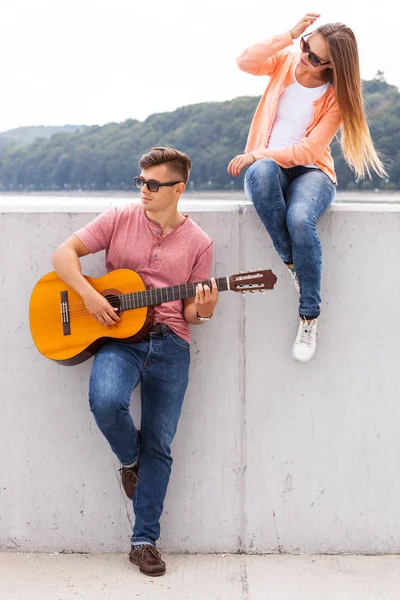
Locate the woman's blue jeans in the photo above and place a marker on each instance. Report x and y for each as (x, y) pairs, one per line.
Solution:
(289, 202)
(161, 364)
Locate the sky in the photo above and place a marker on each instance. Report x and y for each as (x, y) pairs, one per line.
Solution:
(92, 62)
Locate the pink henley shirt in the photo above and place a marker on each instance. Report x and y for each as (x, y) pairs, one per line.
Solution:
(132, 241)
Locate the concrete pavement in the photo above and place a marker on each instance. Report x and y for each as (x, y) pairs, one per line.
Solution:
(200, 577)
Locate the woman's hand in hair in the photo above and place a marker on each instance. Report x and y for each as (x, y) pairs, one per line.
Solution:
(303, 24)
(240, 162)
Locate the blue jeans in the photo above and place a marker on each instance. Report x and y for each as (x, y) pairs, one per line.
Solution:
(161, 364)
(289, 202)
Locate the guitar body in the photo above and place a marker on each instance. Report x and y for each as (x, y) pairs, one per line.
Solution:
(75, 343)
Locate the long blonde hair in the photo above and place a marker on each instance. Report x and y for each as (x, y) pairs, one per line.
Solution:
(357, 146)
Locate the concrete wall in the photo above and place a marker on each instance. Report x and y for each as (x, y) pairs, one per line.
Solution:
(270, 455)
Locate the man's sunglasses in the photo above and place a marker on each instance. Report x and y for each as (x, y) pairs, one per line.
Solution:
(315, 61)
(153, 186)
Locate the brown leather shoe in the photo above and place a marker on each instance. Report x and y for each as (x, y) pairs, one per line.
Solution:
(148, 559)
(129, 476)
(129, 479)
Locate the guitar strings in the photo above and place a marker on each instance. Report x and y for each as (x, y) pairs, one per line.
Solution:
(147, 294)
(78, 309)
(166, 288)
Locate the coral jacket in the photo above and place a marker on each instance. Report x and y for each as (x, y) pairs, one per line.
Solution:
(274, 58)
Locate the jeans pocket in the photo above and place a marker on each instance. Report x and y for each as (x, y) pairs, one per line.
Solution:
(178, 341)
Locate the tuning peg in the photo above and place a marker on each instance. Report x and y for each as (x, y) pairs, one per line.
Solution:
(262, 291)
(252, 291)
(243, 293)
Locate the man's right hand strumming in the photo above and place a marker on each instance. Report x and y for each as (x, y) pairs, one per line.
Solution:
(100, 308)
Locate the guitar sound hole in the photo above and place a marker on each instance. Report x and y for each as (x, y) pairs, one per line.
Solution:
(114, 301)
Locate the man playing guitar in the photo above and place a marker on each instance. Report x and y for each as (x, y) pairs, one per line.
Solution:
(165, 247)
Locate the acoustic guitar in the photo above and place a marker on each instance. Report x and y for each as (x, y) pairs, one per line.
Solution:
(63, 329)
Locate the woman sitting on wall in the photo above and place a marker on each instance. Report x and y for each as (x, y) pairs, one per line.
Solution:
(291, 180)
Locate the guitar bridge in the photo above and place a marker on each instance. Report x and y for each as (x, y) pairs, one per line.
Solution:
(65, 313)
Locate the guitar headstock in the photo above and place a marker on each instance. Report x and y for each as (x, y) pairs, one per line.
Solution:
(252, 281)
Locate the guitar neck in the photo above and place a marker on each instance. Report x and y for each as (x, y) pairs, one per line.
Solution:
(155, 296)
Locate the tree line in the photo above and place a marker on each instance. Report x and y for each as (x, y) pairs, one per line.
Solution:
(106, 157)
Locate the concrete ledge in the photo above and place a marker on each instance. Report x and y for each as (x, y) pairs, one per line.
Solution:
(270, 456)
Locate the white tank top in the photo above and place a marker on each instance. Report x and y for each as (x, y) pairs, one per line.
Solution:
(294, 114)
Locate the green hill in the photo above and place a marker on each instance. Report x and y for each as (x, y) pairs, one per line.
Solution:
(22, 136)
(211, 133)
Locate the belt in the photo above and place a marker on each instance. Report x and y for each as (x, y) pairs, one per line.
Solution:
(160, 328)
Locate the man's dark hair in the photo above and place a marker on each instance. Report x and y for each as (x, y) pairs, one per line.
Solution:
(178, 163)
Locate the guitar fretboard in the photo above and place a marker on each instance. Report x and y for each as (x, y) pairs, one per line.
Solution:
(155, 296)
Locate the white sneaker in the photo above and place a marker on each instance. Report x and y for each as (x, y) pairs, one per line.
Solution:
(306, 341)
(295, 280)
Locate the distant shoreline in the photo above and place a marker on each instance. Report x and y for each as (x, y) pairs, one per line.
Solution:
(341, 196)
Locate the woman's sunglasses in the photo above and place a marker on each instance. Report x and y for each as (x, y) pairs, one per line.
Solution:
(153, 186)
(315, 61)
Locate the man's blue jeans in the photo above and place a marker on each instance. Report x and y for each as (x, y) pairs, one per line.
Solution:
(289, 202)
(161, 365)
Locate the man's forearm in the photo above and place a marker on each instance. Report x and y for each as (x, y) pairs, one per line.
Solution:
(68, 267)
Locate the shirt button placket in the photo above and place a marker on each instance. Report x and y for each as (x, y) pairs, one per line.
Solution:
(158, 243)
